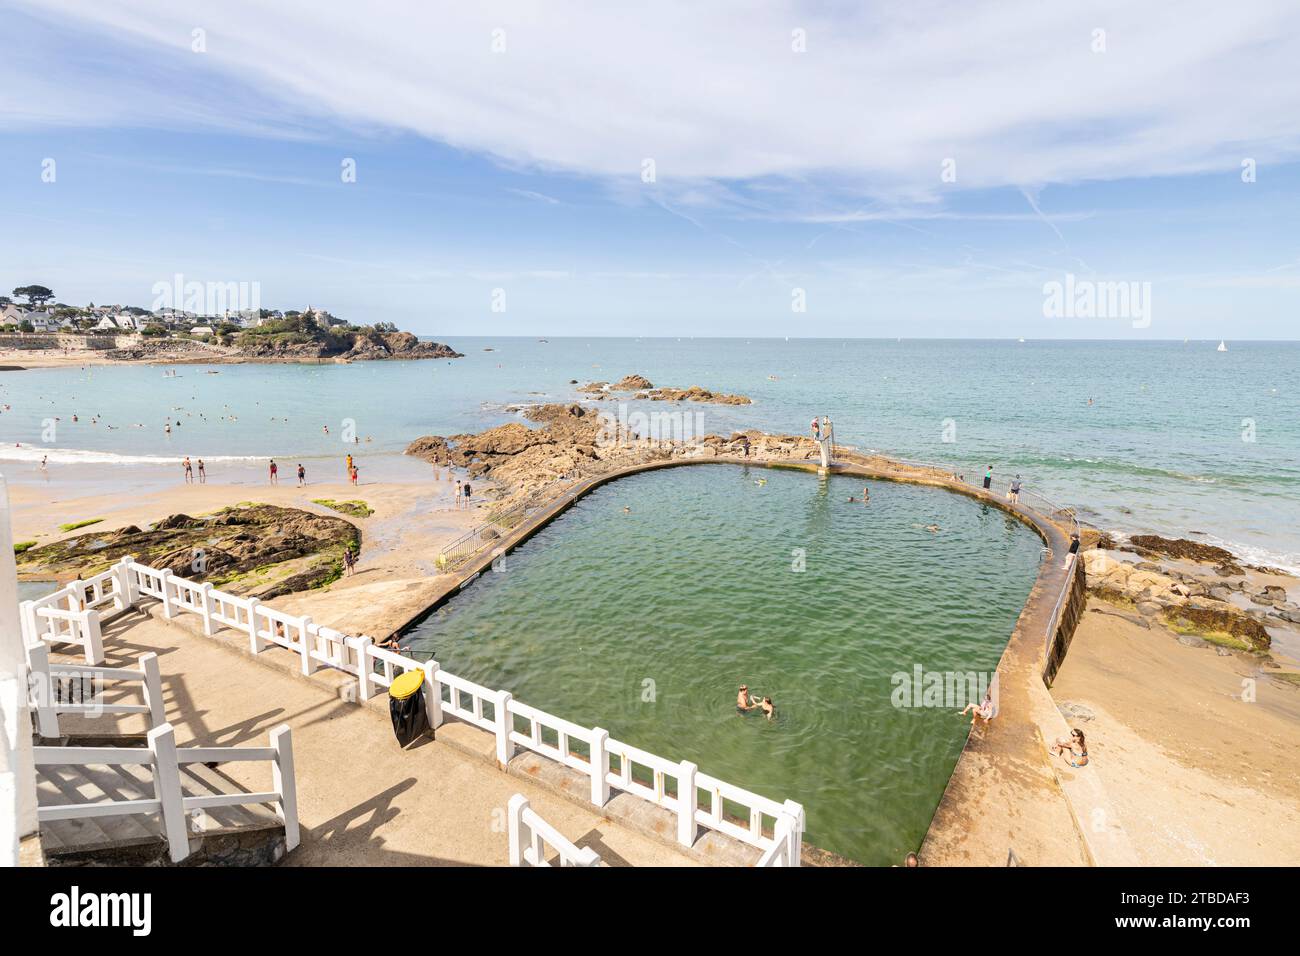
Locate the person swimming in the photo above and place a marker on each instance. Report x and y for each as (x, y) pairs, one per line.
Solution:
(746, 702)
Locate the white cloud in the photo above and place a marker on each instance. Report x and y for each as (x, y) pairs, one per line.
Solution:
(1011, 89)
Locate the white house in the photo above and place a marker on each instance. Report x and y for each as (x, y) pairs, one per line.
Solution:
(45, 322)
(201, 330)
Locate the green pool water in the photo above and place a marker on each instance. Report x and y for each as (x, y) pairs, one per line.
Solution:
(645, 622)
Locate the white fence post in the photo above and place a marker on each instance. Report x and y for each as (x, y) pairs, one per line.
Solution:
(153, 695)
(38, 666)
(432, 695)
(27, 621)
(363, 665)
(515, 813)
(304, 645)
(686, 803)
(599, 766)
(167, 788)
(88, 624)
(795, 812)
(126, 581)
(254, 642)
(505, 746)
(205, 607)
(285, 784)
(167, 593)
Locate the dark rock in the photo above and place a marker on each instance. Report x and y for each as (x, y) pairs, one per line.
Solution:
(289, 549)
(1180, 548)
(1228, 621)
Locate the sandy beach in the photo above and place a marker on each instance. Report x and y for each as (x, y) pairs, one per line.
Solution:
(1199, 773)
(395, 574)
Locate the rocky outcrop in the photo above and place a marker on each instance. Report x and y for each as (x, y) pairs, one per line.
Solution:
(432, 448)
(1152, 545)
(1179, 600)
(348, 347)
(646, 391)
(696, 394)
(1224, 621)
(578, 441)
(265, 550)
(633, 383)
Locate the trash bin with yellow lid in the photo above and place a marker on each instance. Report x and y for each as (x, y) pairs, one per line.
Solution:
(406, 706)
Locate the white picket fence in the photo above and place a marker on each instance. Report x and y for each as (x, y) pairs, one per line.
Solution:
(608, 763)
(170, 801)
(530, 835)
(83, 689)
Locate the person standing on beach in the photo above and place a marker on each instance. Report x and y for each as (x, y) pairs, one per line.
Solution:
(988, 478)
(302, 476)
(349, 468)
(203, 474)
(189, 471)
(349, 561)
(469, 493)
(275, 472)
(458, 494)
(355, 479)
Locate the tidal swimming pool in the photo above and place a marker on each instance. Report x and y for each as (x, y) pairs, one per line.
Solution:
(646, 621)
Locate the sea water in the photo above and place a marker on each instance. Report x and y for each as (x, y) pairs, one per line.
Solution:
(1158, 437)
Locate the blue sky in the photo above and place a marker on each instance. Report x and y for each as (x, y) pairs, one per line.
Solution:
(777, 170)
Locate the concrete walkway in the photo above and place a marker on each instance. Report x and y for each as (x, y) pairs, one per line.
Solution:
(362, 800)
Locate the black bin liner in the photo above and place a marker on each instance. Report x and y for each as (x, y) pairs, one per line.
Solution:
(409, 718)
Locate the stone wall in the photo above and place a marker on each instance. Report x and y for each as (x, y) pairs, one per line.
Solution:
(64, 340)
(1071, 612)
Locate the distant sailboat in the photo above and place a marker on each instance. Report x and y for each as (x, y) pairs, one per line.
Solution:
(1222, 347)
(1022, 341)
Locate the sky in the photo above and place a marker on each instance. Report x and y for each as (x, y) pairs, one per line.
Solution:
(920, 169)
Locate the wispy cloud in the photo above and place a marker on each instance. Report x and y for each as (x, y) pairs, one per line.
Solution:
(1014, 91)
(535, 196)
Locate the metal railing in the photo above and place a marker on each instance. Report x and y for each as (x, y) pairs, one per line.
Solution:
(476, 539)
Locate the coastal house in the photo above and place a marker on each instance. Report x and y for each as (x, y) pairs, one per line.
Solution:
(45, 322)
(204, 330)
(12, 314)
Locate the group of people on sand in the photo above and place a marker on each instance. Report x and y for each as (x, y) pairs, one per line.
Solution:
(189, 471)
(746, 702)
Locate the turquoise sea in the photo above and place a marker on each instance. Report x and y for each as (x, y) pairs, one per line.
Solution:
(1178, 438)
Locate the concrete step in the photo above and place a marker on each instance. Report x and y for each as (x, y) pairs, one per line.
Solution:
(239, 835)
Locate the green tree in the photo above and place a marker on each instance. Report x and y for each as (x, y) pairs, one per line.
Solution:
(35, 294)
